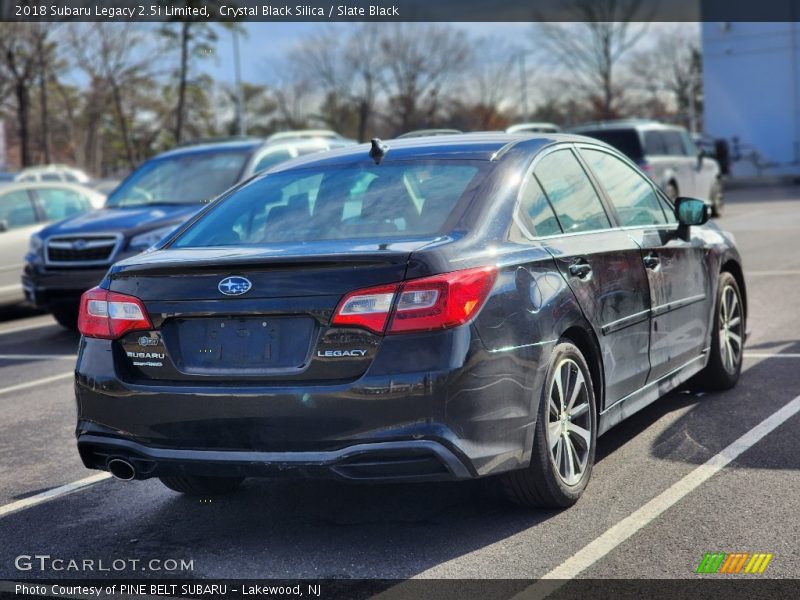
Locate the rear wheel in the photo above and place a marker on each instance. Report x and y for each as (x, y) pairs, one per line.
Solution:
(66, 315)
(564, 438)
(202, 486)
(727, 338)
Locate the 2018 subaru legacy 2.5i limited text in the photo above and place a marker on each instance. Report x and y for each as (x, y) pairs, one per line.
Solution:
(434, 308)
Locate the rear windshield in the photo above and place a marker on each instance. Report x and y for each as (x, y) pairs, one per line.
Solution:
(625, 140)
(401, 199)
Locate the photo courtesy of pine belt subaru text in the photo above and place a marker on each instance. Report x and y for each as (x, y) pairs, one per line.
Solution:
(432, 308)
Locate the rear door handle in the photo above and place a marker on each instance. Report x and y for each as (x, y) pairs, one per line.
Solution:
(580, 268)
(651, 261)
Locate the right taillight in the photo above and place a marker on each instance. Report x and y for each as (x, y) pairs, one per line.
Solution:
(110, 315)
(426, 304)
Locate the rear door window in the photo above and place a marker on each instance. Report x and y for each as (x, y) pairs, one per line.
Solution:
(571, 193)
(625, 140)
(60, 203)
(674, 143)
(654, 143)
(631, 194)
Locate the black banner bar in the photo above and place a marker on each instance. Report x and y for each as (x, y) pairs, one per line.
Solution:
(401, 10)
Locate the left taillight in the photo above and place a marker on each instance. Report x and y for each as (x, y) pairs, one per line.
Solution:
(110, 315)
(426, 304)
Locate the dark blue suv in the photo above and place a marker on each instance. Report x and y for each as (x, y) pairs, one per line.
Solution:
(71, 256)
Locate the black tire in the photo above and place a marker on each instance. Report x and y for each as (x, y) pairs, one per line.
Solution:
(717, 199)
(671, 190)
(722, 373)
(66, 315)
(202, 486)
(542, 484)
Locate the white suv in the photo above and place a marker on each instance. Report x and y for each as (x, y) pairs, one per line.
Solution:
(667, 154)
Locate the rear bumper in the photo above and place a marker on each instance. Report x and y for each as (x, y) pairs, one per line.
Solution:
(454, 413)
(409, 460)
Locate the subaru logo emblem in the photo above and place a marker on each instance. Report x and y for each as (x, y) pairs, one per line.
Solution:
(79, 244)
(234, 286)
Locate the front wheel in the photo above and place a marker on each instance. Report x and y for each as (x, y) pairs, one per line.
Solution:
(202, 486)
(727, 338)
(564, 438)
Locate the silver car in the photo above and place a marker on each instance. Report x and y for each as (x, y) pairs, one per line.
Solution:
(667, 154)
(24, 209)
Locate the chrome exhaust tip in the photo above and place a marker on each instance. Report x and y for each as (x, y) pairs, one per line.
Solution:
(121, 469)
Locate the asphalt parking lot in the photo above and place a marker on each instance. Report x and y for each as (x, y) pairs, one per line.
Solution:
(326, 530)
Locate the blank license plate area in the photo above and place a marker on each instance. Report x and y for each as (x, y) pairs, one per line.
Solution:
(240, 344)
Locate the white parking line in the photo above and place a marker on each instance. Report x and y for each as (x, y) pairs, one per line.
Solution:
(772, 273)
(767, 355)
(645, 515)
(52, 494)
(35, 382)
(47, 323)
(38, 356)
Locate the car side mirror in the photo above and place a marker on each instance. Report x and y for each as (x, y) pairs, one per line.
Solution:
(3, 225)
(691, 211)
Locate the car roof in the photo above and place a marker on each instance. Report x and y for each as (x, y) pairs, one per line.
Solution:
(467, 146)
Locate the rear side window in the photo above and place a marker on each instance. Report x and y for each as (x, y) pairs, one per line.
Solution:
(633, 197)
(60, 203)
(625, 140)
(571, 193)
(674, 143)
(535, 210)
(402, 199)
(271, 159)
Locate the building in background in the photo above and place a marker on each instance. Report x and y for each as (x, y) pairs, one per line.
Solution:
(751, 86)
(2, 145)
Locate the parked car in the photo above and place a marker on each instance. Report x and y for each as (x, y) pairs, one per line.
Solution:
(428, 133)
(538, 127)
(69, 257)
(667, 154)
(432, 309)
(24, 209)
(52, 173)
(298, 134)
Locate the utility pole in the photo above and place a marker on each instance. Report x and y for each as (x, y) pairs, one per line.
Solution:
(523, 85)
(239, 89)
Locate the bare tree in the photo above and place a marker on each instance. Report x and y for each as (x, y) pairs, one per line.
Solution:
(672, 66)
(348, 65)
(592, 49)
(19, 60)
(110, 55)
(421, 59)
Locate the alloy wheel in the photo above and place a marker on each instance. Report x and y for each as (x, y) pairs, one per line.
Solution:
(730, 328)
(569, 423)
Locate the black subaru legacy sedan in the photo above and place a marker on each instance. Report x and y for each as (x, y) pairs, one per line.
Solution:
(436, 308)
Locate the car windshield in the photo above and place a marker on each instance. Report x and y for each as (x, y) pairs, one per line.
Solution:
(183, 179)
(402, 199)
(624, 140)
